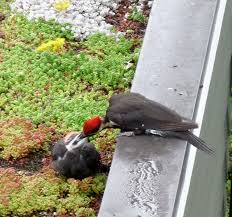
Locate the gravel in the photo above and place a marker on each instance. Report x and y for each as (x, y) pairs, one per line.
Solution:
(84, 16)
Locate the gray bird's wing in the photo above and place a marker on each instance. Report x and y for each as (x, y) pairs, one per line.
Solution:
(133, 111)
(91, 155)
(58, 150)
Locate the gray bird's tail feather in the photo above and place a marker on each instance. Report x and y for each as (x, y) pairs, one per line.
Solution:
(189, 137)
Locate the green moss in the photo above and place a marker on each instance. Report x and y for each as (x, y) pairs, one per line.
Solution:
(105, 143)
(47, 192)
(5, 6)
(10, 183)
(107, 66)
(18, 138)
(138, 16)
(66, 87)
(19, 30)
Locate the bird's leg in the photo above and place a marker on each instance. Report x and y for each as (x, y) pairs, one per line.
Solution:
(132, 133)
(156, 132)
(127, 133)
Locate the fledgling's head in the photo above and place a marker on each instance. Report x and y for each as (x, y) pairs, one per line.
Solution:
(92, 126)
(69, 136)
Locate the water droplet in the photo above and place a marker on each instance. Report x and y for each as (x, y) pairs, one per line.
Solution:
(173, 89)
(142, 186)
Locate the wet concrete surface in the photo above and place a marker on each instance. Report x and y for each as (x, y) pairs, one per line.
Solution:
(142, 182)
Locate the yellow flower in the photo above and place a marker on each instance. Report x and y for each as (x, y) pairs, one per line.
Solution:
(53, 45)
(61, 5)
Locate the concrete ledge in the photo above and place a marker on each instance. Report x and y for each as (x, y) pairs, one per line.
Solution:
(184, 64)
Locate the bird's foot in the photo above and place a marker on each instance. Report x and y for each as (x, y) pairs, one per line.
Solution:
(128, 133)
(156, 132)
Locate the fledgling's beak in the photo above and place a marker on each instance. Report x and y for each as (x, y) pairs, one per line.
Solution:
(82, 135)
(70, 136)
(76, 140)
(74, 135)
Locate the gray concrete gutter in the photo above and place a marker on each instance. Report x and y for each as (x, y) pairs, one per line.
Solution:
(184, 64)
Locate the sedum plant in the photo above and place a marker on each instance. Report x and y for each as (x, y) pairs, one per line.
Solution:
(61, 5)
(19, 138)
(25, 195)
(69, 87)
(55, 45)
(137, 15)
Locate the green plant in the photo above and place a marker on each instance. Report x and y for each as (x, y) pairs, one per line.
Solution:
(9, 183)
(53, 45)
(45, 191)
(18, 138)
(137, 15)
(61, 5)
(105, 142)
(67, 87)
(19, 30)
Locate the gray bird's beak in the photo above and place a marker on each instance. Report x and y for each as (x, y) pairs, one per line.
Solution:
(77, 141)
(82, 135)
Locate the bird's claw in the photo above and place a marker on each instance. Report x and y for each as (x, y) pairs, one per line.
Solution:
(129, 133)
(156, 132)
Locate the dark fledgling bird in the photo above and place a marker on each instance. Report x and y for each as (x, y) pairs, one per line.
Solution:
(75, 157)
(134, 112)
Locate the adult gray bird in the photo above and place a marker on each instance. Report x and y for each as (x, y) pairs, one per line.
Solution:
(75, 157)
(134, 112)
